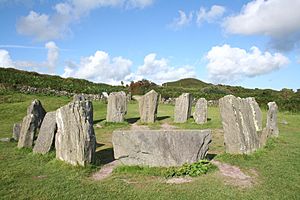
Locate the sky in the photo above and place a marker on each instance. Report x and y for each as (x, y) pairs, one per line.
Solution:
(254, 43)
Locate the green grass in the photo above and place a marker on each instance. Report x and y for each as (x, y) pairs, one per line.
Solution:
(24, 175)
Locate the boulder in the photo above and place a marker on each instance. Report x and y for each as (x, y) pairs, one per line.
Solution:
(16, 131)
(31, 124)
(183, 108)
(75, 140)
(160, 148)
(272, 126)
(200, 114)
(46, 135)
(116, 107)
(238, 120)
(148, 107)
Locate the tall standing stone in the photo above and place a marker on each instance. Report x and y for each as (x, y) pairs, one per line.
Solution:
(46, 135)
(148, 107)
(116, 107)
(200, 114)
(240, 135)
(31, 123)
(257, 114)
(16, 131)
(75, 140)
(272, 127)
(183, 108)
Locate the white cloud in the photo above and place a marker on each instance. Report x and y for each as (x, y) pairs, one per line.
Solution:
(275, 18)
(159, 70)
(100, 68)
(228, 64)
(5, 60)
(52, 56)
(45, 27)
(211, 15)
(50, 62)
(182, 20)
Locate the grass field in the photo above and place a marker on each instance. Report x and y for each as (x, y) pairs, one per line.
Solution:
(24, 175)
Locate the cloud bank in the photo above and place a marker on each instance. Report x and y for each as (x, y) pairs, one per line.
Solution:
(227, 64)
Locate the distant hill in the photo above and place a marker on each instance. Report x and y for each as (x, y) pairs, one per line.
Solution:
(12, 78)
(187, 83)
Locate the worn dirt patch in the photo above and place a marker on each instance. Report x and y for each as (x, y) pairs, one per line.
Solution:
(179, 180)
(135, 126)
(166, 126)
(234, 176)
(105, 171)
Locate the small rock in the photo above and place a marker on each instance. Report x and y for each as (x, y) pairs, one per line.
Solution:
(6, 139)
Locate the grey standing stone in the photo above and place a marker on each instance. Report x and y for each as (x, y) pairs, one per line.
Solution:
(148, 107)
(46, 135)
(200, 114)
(272, 126)
(256, 113)
(116, 107)
(75, 140)
(79, 97)
(16, 131)
(31, 123)
(159, 148)
(183, 108)
(240, 135)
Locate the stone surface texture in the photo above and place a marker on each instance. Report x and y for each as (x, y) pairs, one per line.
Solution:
(200, 114)
(16, 131)
(160, 148)
(148, 107)
(256, 113)
(272, 126)
(116, 107)
(75, 140)
(46, 135)
(183, 108)
(238, 120)
(31, 123)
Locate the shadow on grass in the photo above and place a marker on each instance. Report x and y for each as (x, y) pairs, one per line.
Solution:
(99, 120)
(208, 119)
(104, 156)
(162, 118)
(132, 120)
(210, 156)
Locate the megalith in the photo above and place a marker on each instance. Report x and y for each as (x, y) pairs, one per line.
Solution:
(238, 120)
(183, 108)
(272, 126)
(148, 107)
(31, 123)
(116, 107)
(16, 131)
(45, 139)
(75, 140)
(200, 114)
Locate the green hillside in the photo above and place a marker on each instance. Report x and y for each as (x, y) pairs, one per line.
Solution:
(187, 83)
(13, 78)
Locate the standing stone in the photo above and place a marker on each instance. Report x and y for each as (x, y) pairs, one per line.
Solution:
(16, 131)
(160, 148)
(148, 107)
(272, 127)
(79, 97)
(200, 114)
(183, 108)
(256, 113)
(116, 107)
(46, 135)
(240, 135)
(31, 123)
(75, 140)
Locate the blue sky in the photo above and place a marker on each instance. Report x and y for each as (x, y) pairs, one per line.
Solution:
(248, 43)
